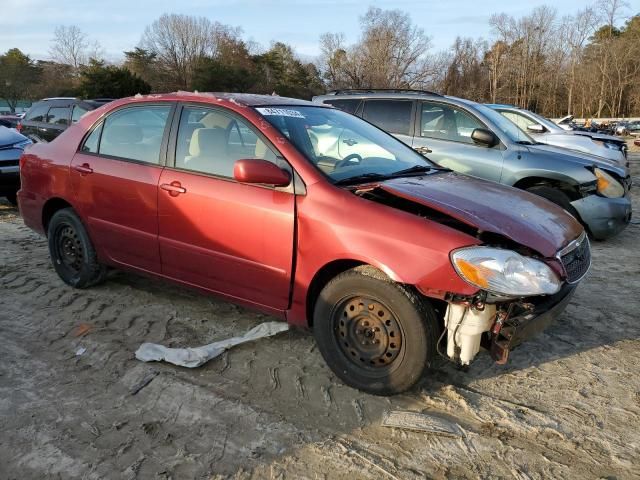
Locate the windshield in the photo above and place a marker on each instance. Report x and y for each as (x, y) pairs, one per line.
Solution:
(510, 129)
(343, 146)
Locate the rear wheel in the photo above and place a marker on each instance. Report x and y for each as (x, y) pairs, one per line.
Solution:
(556, 196)
(72, 253)
(376, 335)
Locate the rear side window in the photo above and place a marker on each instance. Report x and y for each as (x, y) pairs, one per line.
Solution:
(394, 116)
(77, 113)
(346, 105)
(92, 143)
(135, 133)
(58, 116)
(37, 113)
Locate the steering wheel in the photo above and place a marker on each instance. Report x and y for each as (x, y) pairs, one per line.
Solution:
(349, 160)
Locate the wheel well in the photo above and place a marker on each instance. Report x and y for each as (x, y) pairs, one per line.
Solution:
(51, 207)
(321, 278)
(570, 190)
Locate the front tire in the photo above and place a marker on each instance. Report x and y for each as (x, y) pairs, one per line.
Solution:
(375, 334)
(12, 198)
(556, 196)
(73, 256)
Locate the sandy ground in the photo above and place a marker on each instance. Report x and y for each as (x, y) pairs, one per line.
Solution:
(567, 405)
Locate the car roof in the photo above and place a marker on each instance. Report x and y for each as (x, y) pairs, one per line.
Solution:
(245, 99)
(394, 95)
(502, 105)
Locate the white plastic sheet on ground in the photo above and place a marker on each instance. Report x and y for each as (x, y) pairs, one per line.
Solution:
(194, 357)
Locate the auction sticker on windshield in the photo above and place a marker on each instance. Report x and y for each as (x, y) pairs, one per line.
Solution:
(280, 112)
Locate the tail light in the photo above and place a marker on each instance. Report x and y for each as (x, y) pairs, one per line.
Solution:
(19, 127)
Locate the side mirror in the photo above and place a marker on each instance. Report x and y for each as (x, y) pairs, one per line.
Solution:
(536, 128)
(260, 171)
(485, 137)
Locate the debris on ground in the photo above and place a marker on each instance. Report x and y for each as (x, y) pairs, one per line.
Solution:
(194, 357)
(80, 351)
(146, 380)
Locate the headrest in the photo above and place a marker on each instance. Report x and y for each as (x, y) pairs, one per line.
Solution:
(207, 140)
(122, 134)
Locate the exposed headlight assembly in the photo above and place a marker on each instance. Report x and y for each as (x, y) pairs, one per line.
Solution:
(504, 272)
(607, 186)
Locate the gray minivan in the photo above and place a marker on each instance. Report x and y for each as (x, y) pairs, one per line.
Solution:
(474, 139)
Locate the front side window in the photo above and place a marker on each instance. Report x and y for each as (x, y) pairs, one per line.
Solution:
(445, 122)
(37, 114)
(507, 127)
(58, 116)
(211, 141)
(520, 120)
(342, 145)
(393, 116)
(135, 133)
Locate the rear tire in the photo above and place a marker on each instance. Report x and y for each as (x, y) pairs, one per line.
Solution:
(556, 196)
(73, 256)
(376, 335)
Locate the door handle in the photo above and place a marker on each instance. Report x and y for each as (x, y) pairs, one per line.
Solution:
(422, 150)
(174, 188)
(84, 169)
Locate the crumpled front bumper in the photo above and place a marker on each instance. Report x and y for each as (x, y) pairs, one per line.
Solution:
(605, 217)
(528, 322)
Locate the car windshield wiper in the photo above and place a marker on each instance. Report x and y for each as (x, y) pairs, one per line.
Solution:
(362, 178)
(418, 169)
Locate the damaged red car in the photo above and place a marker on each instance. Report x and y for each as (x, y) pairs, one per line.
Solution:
(310, 214)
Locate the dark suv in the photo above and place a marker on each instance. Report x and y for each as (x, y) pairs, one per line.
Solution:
(48, 118)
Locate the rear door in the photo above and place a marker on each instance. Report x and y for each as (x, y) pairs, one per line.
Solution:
(443, 134)
(216, 233)
(115, 177)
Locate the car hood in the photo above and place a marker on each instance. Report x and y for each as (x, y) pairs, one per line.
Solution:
(9, 136)
(490, 207)
(580, 158)
(597, 136)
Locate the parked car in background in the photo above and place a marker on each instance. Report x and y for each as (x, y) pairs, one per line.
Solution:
(545, 131)
(9, 121)
(634, 127)
(48, 118)
(474, 139)
(12, 145)
(252, 198)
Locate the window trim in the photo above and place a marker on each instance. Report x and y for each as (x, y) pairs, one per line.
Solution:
(173, 145)
(163, 144)
(410, 130)
(418, 124)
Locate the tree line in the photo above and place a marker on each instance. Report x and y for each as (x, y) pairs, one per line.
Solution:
(586, 64)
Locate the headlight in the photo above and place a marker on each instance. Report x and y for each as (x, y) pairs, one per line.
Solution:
(504, 272)
(23, 144)
(608, 186)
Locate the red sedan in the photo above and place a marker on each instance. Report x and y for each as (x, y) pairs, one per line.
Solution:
(309, 214)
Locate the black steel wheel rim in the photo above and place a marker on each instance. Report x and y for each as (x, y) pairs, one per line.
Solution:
(69, 249)
(368, 333)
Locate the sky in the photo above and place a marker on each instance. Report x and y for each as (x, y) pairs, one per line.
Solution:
(118, 24)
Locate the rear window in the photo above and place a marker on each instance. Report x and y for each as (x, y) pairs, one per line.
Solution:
(37, 113)
(78, 111)
(58, 116)
(394, 116)
(346, 105)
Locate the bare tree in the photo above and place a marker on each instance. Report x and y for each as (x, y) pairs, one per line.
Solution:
(70, 46)
(180, 41)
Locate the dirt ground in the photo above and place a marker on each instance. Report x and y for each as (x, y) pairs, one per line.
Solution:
(566, 406)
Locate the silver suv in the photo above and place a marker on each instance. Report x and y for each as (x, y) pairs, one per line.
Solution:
(544, 130)
(474, 139)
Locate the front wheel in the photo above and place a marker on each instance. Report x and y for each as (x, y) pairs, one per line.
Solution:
(376, 335)
(556, 196)
(73, 256)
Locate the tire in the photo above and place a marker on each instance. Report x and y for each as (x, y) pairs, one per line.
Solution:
(73, 256)
(12, 198)
(556, 196)
(385, 361)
